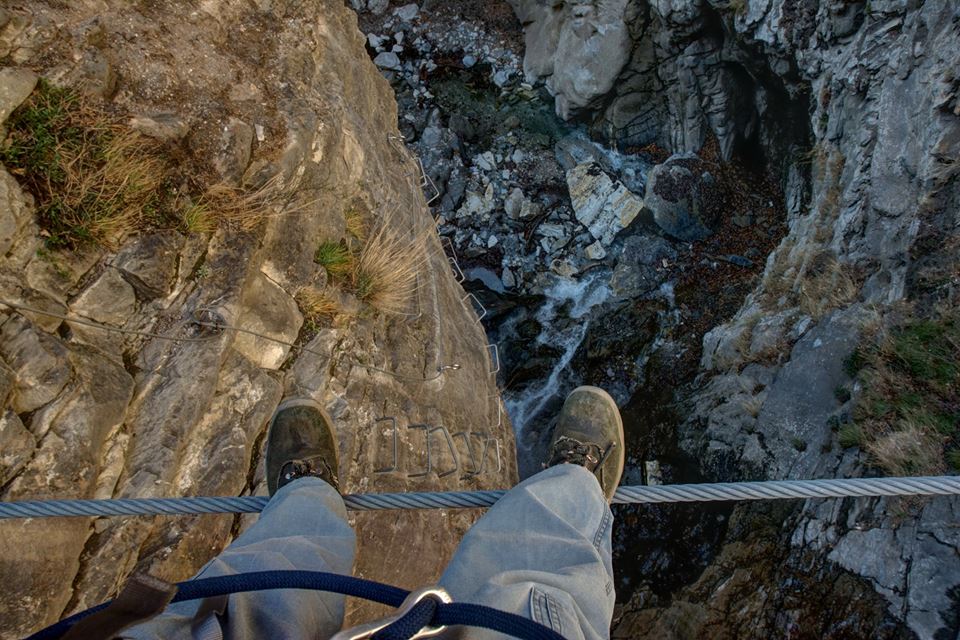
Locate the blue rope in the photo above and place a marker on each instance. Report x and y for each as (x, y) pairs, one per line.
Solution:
(443, 614)
(419, 616)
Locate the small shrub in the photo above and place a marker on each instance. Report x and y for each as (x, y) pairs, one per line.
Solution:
(335, 258)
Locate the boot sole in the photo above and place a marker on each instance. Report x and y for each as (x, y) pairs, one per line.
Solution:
(621, 453)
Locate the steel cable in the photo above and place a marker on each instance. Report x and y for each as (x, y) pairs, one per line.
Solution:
(706, 492)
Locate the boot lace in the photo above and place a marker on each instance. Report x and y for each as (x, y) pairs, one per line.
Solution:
(572, 451)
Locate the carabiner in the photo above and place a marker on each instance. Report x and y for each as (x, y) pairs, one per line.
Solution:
(363, 631)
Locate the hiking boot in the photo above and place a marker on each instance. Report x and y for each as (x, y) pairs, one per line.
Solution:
(589, 433)
(301, 442)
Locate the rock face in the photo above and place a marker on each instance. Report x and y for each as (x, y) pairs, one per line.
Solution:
(579, 47)
(180, 408)
(601, 205)
(853, 107)
(683, 197)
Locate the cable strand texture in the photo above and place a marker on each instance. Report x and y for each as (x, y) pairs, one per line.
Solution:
(769, 490)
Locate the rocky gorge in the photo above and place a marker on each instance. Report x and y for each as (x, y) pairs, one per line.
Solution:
(739, 219)
(738, 216)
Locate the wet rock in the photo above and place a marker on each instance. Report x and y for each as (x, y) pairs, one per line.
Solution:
(40, 362)
(603, 206)
(684, 198)
(15, 87)
(640, 265)
(236, 145)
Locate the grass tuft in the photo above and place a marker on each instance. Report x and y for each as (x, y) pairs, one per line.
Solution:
(386, 271)
(93, 179)
(356, 223)
(318, 304)
(336, 258)
(908, 413)
(826, 285)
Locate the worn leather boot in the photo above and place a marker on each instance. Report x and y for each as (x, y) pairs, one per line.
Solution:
(589, 433)
(301, 442)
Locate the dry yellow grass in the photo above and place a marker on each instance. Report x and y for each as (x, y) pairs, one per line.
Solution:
(385, 276)
(241, 208)
(826, 284)
(318, 304)
(911, 449)
(356, 223)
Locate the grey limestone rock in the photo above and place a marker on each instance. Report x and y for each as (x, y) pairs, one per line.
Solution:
(15, 86)
(39, 360)
(387, 60)
(601, 205)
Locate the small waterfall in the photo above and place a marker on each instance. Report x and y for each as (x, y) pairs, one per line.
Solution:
(573, 300)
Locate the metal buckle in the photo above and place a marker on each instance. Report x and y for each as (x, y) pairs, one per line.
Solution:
(366, 630)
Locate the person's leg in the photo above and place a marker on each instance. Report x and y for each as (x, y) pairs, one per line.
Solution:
(303, 527)
(544, 550)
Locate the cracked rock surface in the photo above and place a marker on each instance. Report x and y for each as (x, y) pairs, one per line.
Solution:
(266, 89)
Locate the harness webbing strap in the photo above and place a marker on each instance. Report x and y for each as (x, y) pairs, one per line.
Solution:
(455, 613)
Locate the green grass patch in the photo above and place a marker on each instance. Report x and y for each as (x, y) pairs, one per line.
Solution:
(93, 179)
(908, 412)
(336, 258)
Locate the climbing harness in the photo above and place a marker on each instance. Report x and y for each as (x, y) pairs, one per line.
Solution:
(704, 492)
(421, 614)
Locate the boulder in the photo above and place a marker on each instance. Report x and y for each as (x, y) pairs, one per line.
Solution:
(387, 60)
(684, 198)
(640, 265)
(603, 206)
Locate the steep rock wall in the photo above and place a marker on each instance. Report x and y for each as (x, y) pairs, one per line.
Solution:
(853, 105)
(246, 89)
